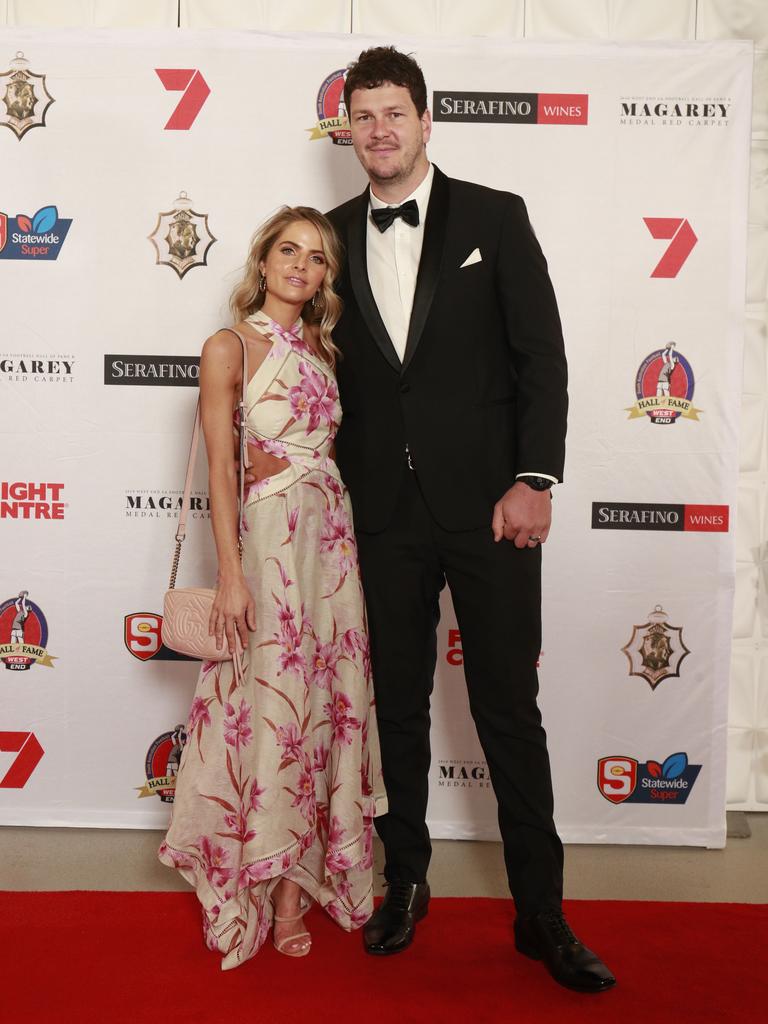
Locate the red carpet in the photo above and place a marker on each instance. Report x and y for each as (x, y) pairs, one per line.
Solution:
(136, 957)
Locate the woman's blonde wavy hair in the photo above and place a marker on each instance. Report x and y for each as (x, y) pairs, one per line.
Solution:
(247, 297)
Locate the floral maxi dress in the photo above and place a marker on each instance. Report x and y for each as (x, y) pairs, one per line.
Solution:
(280, 776)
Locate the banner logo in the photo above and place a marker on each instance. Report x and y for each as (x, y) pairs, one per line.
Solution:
(27, 746)
(664, 387)
(463, 775)
(196, 92)
(162, 765)
(17, 367)
(679, 249)
(26, 99)
(22, 500)
(156, 504)
(33, 238)
(181, 237)
(675, 111)
(622, 515)
(145, 370)
(624, 780)
(655, 650)
(510, 107)
(23, 634)
(142, 637)
(332, 115)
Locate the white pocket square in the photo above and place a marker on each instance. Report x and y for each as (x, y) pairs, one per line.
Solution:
(474, 257)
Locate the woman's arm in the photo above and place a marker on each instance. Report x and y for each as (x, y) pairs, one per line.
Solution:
(220, 380)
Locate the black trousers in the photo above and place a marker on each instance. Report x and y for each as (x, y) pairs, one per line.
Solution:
(496, 591)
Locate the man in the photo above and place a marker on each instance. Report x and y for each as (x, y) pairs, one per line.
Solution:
(453, 383)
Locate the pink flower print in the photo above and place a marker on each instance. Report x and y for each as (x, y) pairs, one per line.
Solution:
(285, 861)
(336, 536)
(320, 759)
(306, 841)
(336, 832)
(335, 912)
(238, 825)
(359, 917)
(367, 860)
(271, 446)
(293, 518)
(342, 723)
(315, 398)
(179, 859)
(331, 482)
(291, 659)
(304, 797)
(237, 727)
(324, 665)
(198, 713)
(335, 860)
(289, 738)
(353, 640)
(256, 792)
(251, 874)
(343, 888)
(214, 860)
(365, 783)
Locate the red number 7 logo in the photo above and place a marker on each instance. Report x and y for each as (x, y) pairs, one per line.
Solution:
(678, 250)
(196, 92)
(29, 750)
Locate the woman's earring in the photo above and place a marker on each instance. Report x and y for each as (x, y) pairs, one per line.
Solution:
(315, 298)
(262, 282)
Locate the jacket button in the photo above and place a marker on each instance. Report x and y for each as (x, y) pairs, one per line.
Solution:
(404, 389)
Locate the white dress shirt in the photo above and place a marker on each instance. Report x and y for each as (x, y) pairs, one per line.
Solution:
(393, 262)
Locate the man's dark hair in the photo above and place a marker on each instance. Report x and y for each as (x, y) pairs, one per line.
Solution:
(384, 64)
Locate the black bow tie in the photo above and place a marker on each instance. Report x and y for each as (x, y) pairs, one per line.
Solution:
(387, 214)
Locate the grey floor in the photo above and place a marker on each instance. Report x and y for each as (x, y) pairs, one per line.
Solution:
(121, 859)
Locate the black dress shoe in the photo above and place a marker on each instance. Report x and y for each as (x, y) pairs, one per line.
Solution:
(393, 925)
(547, 937)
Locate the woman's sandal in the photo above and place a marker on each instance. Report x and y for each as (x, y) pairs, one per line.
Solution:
(280, 946)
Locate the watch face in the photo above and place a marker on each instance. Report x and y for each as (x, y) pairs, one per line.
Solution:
(538, 483)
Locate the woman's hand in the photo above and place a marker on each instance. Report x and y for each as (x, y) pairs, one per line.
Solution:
(233, 614)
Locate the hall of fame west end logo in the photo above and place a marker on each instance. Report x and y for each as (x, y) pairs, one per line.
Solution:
(332, 116)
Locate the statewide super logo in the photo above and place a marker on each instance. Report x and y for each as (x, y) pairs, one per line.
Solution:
(664, 387)
(142, 635)
(25, 98)
(33, 238)
(181, 237)
(23, 634)
(162, 765)
(625, 780)
(332, 116)
(655, 650)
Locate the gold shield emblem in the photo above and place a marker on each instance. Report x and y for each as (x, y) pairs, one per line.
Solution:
(656, 649)
(181, 237)
(24, 99)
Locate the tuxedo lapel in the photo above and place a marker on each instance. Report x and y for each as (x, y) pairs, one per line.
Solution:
(430, 263)
(357, 263)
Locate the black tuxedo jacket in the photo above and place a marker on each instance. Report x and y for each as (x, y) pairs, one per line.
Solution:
(481, 393)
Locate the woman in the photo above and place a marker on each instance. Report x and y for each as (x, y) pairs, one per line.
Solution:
(280, 775)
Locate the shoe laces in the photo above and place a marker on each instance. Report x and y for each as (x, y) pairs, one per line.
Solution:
(400, 894)
(559, 927)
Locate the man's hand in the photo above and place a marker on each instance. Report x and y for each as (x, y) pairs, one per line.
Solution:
(521, 515)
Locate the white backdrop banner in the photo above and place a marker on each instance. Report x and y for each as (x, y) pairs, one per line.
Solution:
(133, 170)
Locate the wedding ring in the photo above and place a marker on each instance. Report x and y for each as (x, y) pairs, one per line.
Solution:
(534, 540)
